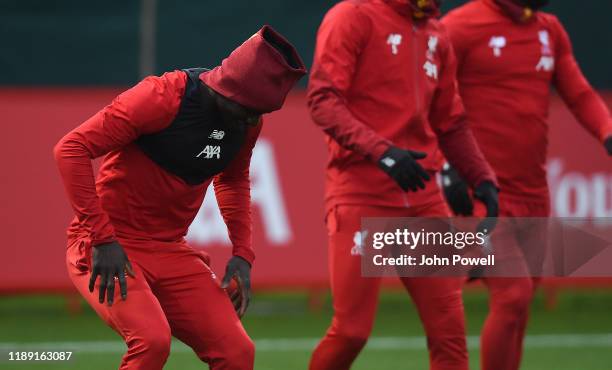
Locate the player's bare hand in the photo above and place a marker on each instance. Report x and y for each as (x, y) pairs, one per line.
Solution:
(239, 270)
(110, 263)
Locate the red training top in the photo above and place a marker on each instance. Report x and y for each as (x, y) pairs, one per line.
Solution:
(133, 198)
(380, 79)
(505, 73)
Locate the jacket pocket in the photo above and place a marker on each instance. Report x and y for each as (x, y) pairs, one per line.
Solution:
(78, 254)
(331, 220)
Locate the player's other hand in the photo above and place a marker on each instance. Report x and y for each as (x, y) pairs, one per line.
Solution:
(456, 192)
(110, 262)
(608, 145)
(486, 192)
(239, 270)
(402, 166)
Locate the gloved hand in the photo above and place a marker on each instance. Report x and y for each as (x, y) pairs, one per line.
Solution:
(456, 192)
(486, 192)
(109, 261)
(402, 166)
(240, 270)
(608, 145)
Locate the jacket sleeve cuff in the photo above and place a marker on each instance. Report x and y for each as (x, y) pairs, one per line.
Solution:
(379, 149)
(606, 134)
(245, 253)
(97, 242)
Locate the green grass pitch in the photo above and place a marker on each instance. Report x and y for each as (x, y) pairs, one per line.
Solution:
(576, 335)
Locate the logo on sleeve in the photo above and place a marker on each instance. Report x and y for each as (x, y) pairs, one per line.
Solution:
(210, 151)
(547, 61)
(497, 43)
(394, 39)
(431, 69)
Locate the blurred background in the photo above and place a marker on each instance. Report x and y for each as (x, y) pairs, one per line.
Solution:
(61, 61)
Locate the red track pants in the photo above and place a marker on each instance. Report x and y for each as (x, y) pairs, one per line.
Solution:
(174, 294)
(355, 298)
(509, 298)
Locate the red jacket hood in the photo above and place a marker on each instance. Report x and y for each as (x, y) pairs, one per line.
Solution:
(259, 73)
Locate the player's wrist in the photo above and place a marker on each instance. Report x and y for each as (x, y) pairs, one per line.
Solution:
(247, 256)
(379, 151)
(100, 242)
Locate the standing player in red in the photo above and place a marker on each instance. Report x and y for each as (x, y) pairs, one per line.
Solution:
(383, 90)
(509, 54)
(165, 140)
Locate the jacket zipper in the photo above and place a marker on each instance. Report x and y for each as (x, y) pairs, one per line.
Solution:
(416, 70)
(417, 98)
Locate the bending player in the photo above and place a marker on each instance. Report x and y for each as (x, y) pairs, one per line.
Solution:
(165, 141)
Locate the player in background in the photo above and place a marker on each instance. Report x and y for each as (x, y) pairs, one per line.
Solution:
(383, 90)
(509, 54)
(165, 141)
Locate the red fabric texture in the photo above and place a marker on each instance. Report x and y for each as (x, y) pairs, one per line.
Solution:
(174, 293)
(504, 328)
(133, 198)
(418, 9)
(438, 300)
(501, 339)
(515, 10)
(256, 74)
(505, 87)
(369, 89)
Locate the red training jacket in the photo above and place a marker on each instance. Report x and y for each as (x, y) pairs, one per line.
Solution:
(505, 73)
(134, 199)
(379, 78)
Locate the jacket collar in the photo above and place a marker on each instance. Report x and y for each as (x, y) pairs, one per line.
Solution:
(513, 10)
(408, 9)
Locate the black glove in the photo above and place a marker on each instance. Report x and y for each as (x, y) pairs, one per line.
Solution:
(401, 165)
(486, 192)
(110, 262)
(456, 192)
(240, 270)
(608, 145)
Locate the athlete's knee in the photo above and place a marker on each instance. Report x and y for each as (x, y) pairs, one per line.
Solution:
(242, 352)
(445, 328)
(448, 352)
(235, 354)
(151, 343)
(443, 316)
(515, 298)
(353, 333)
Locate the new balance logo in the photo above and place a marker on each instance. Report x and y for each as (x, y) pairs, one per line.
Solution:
(394, 39)
(497, 43)
(210, 151)
(217, 135)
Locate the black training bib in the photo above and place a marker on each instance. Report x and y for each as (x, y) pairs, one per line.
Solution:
(197, 145)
